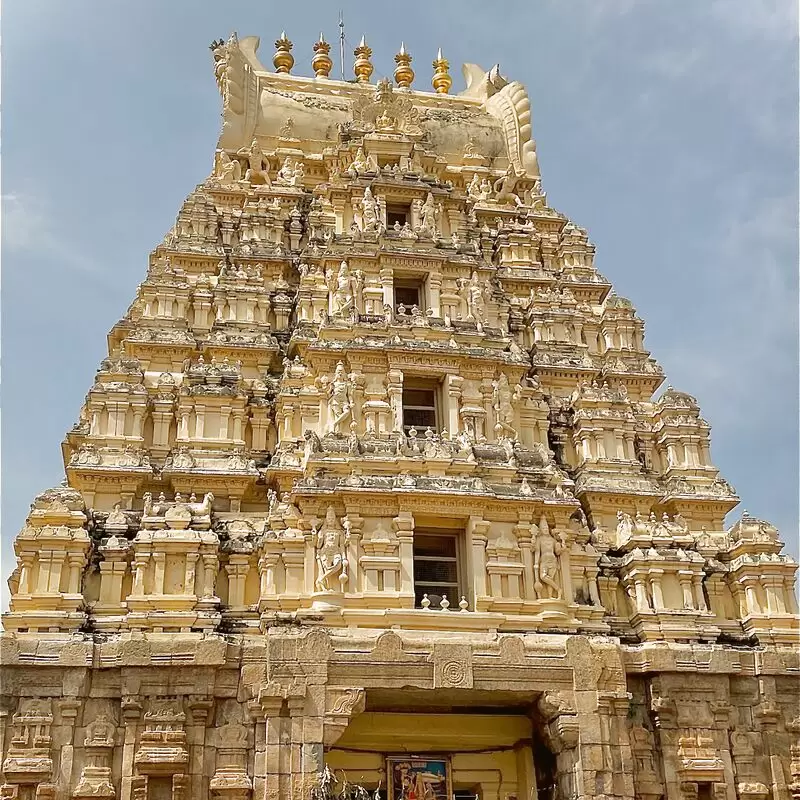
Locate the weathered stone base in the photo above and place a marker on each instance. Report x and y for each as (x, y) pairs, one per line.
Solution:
(199, 716)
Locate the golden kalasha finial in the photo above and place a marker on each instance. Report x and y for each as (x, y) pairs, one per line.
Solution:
(321, 63)
(283, 59)
(363, 66)
(403, 74)
(441, 77)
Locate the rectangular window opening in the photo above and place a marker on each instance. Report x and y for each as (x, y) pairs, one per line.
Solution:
(408, 296)
(397, 214)
(437, 569)
(420, 407)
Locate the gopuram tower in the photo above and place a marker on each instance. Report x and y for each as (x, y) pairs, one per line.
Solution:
(376, 486)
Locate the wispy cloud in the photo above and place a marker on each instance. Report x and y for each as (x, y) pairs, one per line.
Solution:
(768, 20)
(29, 227)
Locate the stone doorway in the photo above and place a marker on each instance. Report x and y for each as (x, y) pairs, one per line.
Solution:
(490, 741)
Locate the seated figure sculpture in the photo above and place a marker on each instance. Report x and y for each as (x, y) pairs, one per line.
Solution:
(257, 172)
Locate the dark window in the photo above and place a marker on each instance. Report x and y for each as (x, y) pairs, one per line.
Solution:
(704, 791)
(436, 569)
(397, 214)
(406, 296)
(419, 408)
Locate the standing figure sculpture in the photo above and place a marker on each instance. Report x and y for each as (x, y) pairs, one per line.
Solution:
(370, 212)
(545, 565)
(331, 555)
(428, 213)
(473, 291)
(503, 408)
(341, 288)
(475, 191)
(340, 399)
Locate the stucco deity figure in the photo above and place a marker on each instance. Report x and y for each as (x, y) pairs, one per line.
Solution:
(99, 732)
(473, 292)
(385, 123)
(291, 172)
(340, 398)
(183, 459)
(474, 190)
(504, 187)
(370, 212)
(624, 525)
(257, 165)
(221, 57)
(228, 170)
(346, 289)
(428, 213)
(545, 567)
(360, 164)
(116, 519)
(503, 408)
(534, 196)
(331, 545)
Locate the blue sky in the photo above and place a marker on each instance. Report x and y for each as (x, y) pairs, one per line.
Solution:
(668, 129)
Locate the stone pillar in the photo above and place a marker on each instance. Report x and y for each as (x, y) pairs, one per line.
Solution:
(140, 562)
(773, 588)
(160, 560)
(566, 567)
(210, 564)
(656, 576)
(715, 586)
(196, 734)
(699, 596)
(434, 293)
(26, 560)
(394, 389)
(266, 567)
(68, 709)
(266, 711)
(452, 385)
(190, 573)
(477, 536)
(76, 562)
(685, 578)
(295, 772)
(751, 597)
(404, 527)
(237, 568)
(525, 540)
(789, 595)
(387, 284)
(131, 714)
(354, 552)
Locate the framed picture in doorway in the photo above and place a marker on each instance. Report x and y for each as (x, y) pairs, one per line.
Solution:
(419, 778)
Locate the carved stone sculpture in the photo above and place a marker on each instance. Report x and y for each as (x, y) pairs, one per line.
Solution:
(257, 172)
(331, 542)
(340, 400)
(503, 408)
(546, 564)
